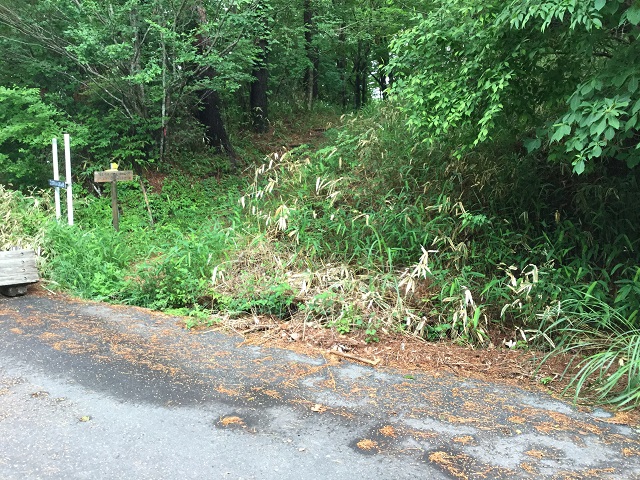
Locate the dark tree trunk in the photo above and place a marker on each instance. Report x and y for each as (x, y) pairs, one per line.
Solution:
(316, 68)
(356, 90)
(210, 111)
(382, 85)
(362, 70)
(258, 101)
(364, 90)
(210, 115)
(357, 83)
(341, 64)
(311, 76)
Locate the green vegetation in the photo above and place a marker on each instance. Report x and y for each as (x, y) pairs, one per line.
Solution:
(491, 192)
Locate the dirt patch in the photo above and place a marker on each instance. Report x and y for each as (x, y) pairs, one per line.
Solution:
(155, 179)
(461, 466)
(465, 440)
(411, 354)
(287, 134)
(388, 431)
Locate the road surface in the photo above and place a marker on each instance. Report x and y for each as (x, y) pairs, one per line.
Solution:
(93, 391)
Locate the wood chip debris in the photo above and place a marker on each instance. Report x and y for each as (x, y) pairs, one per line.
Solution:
(319, 408)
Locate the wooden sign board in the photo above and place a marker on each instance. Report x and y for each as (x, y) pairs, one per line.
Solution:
(18, 267)
(111, 175)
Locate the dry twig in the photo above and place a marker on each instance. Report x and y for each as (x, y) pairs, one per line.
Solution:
(356, 358)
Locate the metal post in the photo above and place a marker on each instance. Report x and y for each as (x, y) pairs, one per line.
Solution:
(67, 161)
(56, 176)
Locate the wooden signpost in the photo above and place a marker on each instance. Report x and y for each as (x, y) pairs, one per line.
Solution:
(114, 176)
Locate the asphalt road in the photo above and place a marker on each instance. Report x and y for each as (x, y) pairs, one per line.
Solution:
(93, 391)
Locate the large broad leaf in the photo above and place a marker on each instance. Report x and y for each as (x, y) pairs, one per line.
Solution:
(633, 161)
(562, 131)
(532, 144)
(633, 15)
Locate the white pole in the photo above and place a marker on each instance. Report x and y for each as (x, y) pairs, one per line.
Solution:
(67, 161)
(56, 176)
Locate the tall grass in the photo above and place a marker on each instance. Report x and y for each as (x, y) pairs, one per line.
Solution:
(604, 350)
(23, 218)
(167, 264)
(157, 268)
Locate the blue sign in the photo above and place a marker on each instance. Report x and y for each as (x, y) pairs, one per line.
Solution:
(57, 183)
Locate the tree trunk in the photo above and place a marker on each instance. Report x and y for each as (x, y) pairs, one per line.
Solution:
(311, 77)
(382, 66)
(341, 64)
(362, 70)
(258, 100)
(364, 90)
(135, 67)
(211, 117)
(165, 101)
(357, 84)
(356, 90)
(316, 67)
(210, 114)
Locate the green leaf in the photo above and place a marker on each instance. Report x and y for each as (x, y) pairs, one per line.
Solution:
(633, 161)
(598, 128)
(586, 89)
(609, 133)
(578, 167)
(613, 121)
(633, 15)
(562, 131)
(596, 152)
(633, 84)
(619, 80)
(599, 4)
(575, 101)
(532, 144)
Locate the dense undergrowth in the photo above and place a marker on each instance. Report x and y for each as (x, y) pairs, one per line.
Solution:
(374, 232)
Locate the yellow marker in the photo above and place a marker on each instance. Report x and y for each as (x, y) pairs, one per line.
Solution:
(114, 166)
